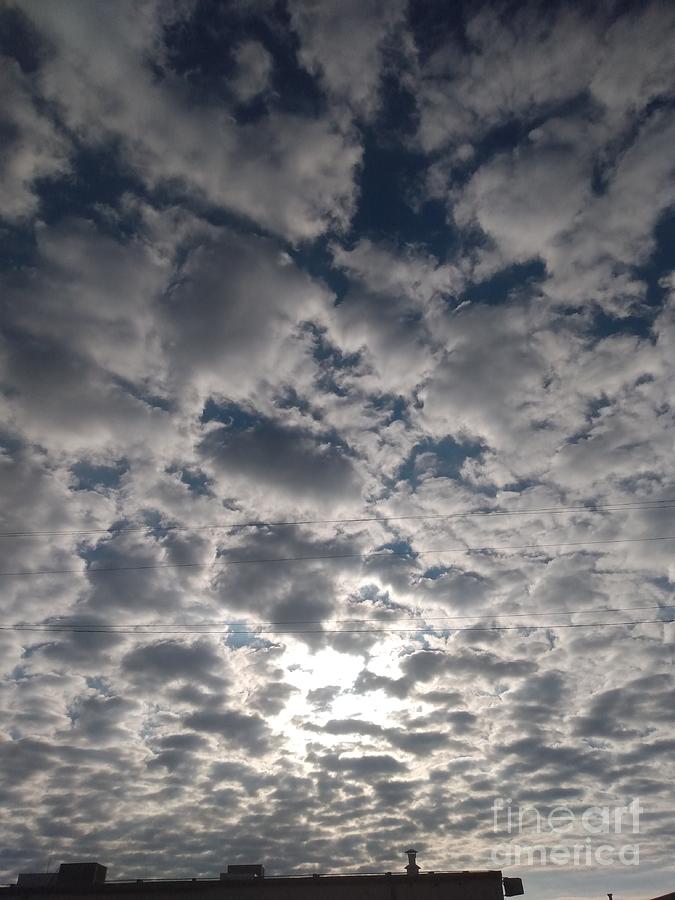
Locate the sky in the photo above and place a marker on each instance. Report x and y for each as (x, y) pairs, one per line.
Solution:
(337, 380)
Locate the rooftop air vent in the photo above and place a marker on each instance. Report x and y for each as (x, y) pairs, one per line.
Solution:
(80, 874)
(252, 871)
(513, 887)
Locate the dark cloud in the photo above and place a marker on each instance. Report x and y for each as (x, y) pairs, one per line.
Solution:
(365, 766)
(101, 719)
(369, 681)
(321, 698)
(176, 751)
(248, 732)
(168, 661)
(631, 711)
(297, 461)
(424, 666)
(271, 698)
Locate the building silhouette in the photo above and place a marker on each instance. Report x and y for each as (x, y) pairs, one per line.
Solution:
(88, 881)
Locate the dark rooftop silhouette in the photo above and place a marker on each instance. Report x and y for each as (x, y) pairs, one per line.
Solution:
(90, 879)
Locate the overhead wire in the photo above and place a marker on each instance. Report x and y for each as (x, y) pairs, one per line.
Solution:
(666, 503)
(377, 554)
(485, 628)
(163, 627)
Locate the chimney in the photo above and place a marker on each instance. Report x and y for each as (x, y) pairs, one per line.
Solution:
(412, 868)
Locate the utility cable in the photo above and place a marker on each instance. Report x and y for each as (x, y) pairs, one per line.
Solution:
(384, 555)
(360, 630)
(163, 629)
(633, 505)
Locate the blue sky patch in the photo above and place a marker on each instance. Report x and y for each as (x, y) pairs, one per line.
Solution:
(437, 459)
(92, 476)
(515, 278)
(231, 414)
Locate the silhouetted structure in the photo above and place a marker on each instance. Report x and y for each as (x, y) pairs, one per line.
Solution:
(87, 880)
(412, 868)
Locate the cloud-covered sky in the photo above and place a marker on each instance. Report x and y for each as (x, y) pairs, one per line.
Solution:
(400, 275)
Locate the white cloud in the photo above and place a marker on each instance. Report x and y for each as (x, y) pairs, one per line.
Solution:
(254, 68)
(515, 66)
(344, 43)
(290, 174)
(593, 113)
(538, 202)
(526, 201)
(522, 66)
(33, 147)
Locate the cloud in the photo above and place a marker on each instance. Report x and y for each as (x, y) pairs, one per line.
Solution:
(345, 45)
(350, 483)
(234, 312)
(172, 660)
(526, 201)
(645, 703)
(388, 316)
(33, 148)
(538, 201)
(273, 453)
(254, 67)
(365, 766)
(239, 729)
(563, 189)
(294, 174)
(102, 720)
(518, 67)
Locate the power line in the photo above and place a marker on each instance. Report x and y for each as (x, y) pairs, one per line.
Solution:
(163, 629)
(668, 503)
(356, 630)
(384, 555)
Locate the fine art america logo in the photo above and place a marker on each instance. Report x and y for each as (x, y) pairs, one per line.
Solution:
(594, 836)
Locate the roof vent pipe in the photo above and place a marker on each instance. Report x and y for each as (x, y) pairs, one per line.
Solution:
(412, 868)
